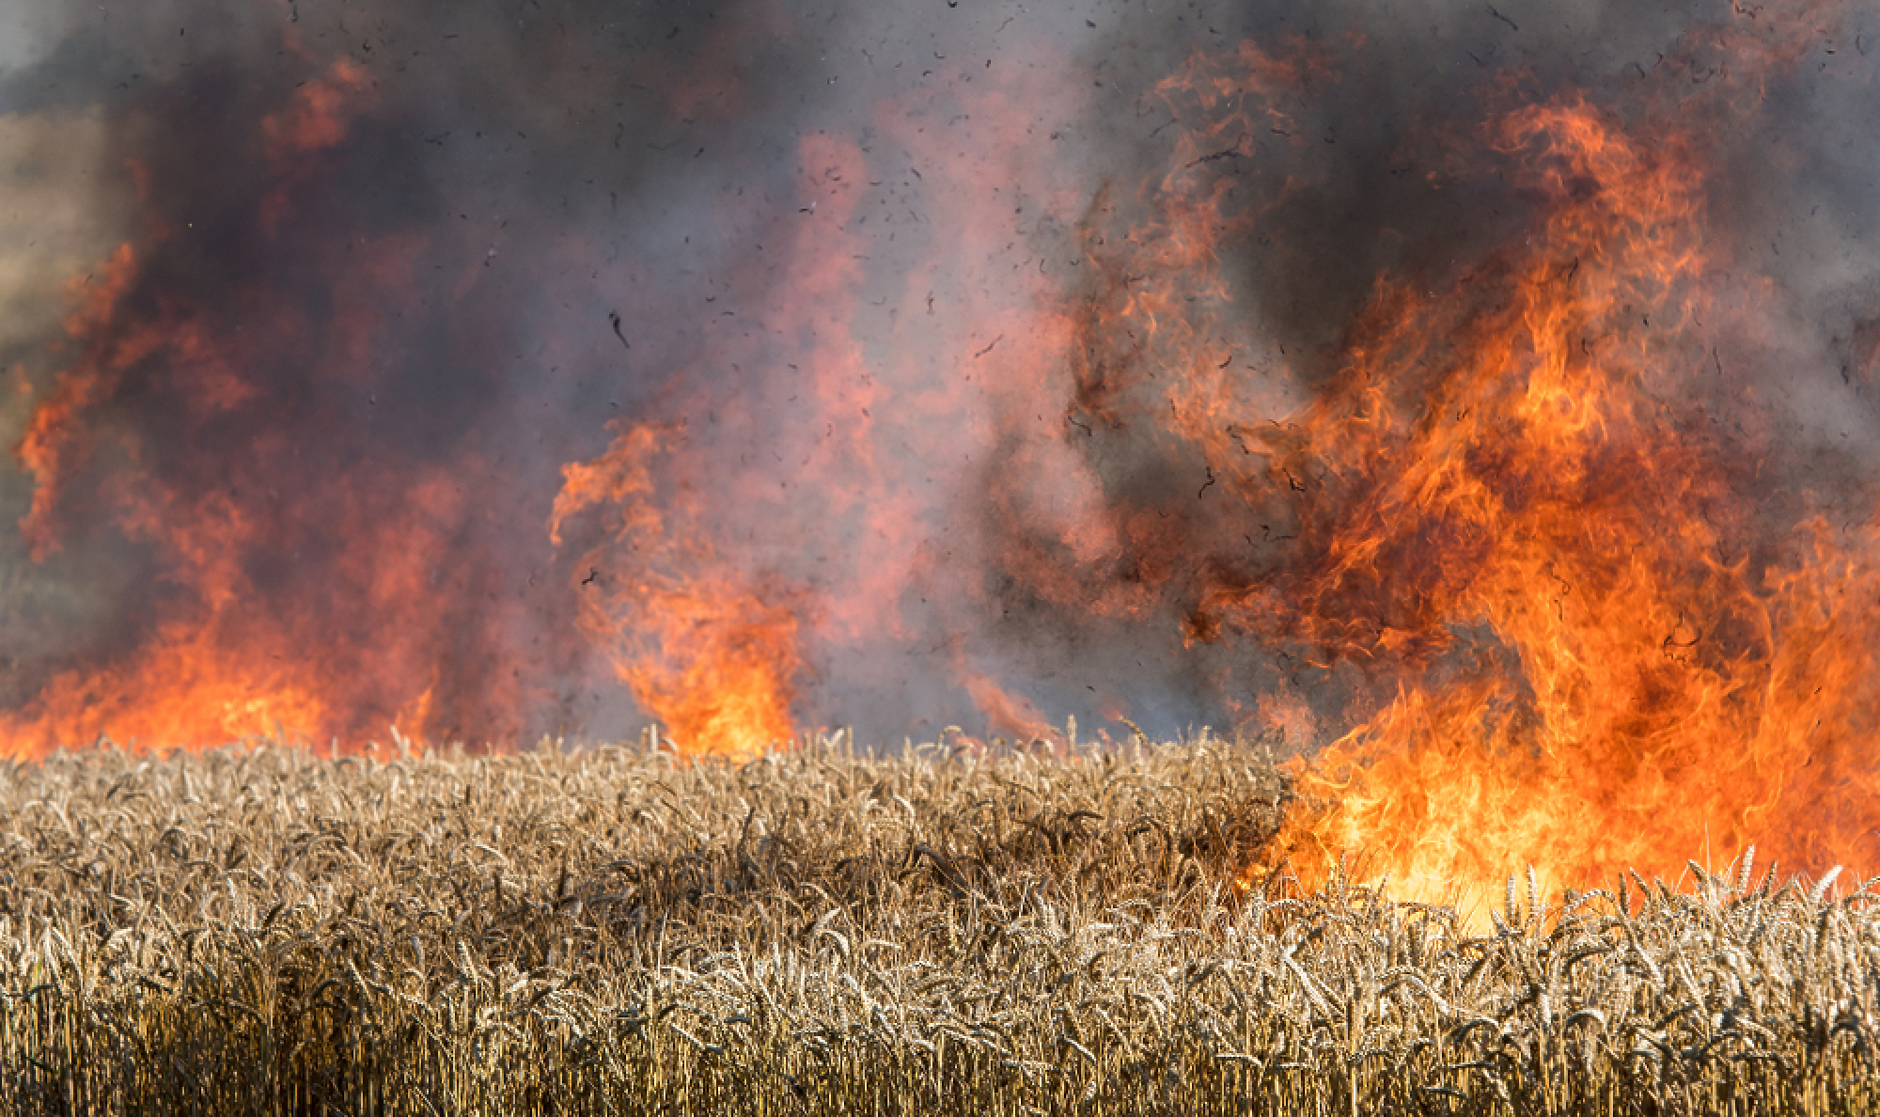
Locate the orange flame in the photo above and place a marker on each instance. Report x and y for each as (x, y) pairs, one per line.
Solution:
(196, 693)
(709, 655)
(1519, 504)
(1600, 666)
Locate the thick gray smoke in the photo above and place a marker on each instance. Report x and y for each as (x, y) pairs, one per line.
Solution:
(794, 232)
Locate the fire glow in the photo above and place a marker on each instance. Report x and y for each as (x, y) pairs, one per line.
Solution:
(1515, 526)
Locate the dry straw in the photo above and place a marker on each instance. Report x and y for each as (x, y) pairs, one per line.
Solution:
(609, 931)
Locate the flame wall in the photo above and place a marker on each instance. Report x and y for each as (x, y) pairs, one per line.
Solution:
(1484, 391)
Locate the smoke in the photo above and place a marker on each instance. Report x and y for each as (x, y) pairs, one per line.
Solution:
(396, 264)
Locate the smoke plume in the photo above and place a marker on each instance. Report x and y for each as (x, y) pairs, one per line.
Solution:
(501, 370)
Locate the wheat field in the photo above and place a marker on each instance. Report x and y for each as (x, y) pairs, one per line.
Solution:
(612, 931)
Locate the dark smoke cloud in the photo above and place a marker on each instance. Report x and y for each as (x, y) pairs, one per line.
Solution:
(589, 199)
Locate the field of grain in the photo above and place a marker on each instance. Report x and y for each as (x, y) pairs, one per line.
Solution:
(611, 931)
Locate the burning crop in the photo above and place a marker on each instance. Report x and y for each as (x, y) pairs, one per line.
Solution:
(1483, 402)
(826, 932)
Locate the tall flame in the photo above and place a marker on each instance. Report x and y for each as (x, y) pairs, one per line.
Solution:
(1651, 668)
(1523, 505)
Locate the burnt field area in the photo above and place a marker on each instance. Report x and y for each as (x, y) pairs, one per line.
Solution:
(1075, 930)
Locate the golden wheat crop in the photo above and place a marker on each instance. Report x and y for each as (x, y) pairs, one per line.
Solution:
(612, 931)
